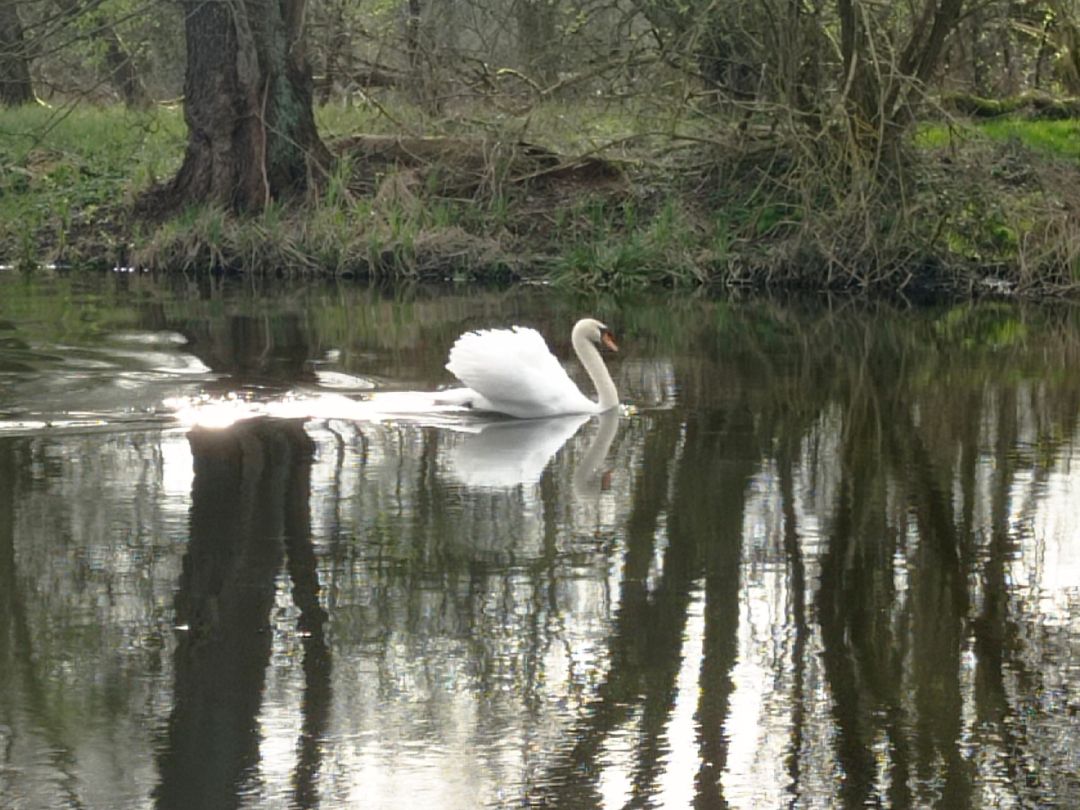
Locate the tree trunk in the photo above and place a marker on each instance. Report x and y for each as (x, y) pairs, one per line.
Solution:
(15, 86)
(419, 49)
(247, 104)
(881, 96)
(537, 35)
(121, 65)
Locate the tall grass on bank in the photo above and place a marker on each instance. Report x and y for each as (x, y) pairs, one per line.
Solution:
(467, 208)
(992, 207)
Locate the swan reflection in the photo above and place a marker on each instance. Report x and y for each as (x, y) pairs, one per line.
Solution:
(590, 478)
(508, 453)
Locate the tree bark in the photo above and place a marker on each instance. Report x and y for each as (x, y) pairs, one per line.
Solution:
(248, 106)
(15, 85)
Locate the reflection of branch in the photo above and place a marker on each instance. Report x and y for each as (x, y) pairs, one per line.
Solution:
(995, 636)
(718, 476)
(797, 601)
(837, 609)
(301, 563)
(940, 603)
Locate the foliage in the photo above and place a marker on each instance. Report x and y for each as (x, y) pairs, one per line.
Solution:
(739, 143)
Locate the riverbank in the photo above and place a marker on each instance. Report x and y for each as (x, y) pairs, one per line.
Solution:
(578, 198)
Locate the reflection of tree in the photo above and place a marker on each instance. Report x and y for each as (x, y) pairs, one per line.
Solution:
(906, 510)
(709, 465)
(250, 489)
(878, 648)
(718, 478)
(253, 349)
(896, 467)
(637, 649)
(916, 520)
(995, 632)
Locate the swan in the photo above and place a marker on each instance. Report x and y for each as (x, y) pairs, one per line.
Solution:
(512, 372)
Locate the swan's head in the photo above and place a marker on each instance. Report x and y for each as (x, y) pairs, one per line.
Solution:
(595, 332)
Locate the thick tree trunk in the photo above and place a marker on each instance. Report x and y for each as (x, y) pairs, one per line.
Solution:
(247, 104)
(15, 86)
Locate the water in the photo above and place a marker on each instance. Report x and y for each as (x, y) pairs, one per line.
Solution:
(828, 556)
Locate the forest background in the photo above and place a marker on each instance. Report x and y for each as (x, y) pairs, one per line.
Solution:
(928, 145)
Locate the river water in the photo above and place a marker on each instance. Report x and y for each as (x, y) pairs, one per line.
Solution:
(827, 554)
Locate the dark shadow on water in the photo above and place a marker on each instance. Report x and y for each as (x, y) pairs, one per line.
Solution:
(249, 514)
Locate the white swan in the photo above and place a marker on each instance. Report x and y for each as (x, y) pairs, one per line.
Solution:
(512, 371)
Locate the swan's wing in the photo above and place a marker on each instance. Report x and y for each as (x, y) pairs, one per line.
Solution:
(515, 371)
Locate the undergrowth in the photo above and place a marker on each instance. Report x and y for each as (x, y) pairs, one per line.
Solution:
(987, 207)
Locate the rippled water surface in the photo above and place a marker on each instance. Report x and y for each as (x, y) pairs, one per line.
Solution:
(827, 555)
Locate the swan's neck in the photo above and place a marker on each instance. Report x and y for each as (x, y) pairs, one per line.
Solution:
(586, 481)
(590, 358)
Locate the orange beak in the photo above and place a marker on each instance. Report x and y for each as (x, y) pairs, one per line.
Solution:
(608, 340)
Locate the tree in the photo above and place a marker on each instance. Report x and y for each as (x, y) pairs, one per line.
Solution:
(118, 58)
(885, 85)
(248, 106)
(15, 86)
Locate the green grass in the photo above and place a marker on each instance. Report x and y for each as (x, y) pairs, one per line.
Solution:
(1060, 138)
(66, 169)
(621, 246)
(1054, 138)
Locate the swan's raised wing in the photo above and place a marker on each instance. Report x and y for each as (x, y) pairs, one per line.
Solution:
(516, 373)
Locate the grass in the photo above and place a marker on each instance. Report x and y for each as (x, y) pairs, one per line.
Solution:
(625, 246)
(989, 197)
(1059, 139)
(65, 171)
